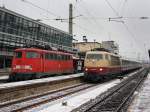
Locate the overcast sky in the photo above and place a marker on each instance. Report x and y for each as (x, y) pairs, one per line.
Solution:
(133, 36)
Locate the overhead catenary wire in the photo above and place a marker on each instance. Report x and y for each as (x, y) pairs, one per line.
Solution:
(55, 15)
(109, 4)
(124, 24)
(93, 20)
(34, 5)
(135, 25)
(81, 27)
(123, 7)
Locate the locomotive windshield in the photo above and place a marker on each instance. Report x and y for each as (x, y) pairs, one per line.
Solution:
(94, 56)
(18, 55)
(32, 55)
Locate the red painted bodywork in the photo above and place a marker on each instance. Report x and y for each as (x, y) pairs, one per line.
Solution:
(40, 64)
(102, 70)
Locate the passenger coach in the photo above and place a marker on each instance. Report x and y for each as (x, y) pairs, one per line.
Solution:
(29, 63)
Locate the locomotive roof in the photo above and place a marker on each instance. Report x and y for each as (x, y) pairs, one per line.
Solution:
(41, 50)
(102, 52)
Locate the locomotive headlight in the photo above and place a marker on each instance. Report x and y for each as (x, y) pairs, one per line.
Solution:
(100, 69)
(17, 67)
(28, 67)
(86, 69)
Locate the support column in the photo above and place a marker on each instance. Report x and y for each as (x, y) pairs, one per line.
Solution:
(70, 19)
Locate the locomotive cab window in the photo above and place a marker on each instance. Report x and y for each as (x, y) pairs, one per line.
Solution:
(18, 55)
(32, 54)
(94, 56)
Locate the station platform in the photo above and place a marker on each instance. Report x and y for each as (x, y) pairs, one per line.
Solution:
(141, 102)
(38, 81)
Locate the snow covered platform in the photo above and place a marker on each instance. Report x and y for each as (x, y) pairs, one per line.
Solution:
(3, 77)
(142, 100)
(37, 81)
(17, 90)
(75, 100)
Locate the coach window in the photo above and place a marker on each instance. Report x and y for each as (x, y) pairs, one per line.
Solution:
(32, 55)
(18, 54)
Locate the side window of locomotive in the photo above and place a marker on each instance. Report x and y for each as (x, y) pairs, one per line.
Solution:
(115, 60)
(106, 57)
(66, 57)
(46, 56)
(32, 54)
(49, 56)
(69, 58)
(63, 57)
(55, 56)
(90, 56)
(18, 55)
(59, 57)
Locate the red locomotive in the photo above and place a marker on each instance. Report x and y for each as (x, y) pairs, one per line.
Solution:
(29, 63)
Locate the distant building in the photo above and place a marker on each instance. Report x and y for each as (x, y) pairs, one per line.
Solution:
(112, 46)
(86, 46)
(83, 47)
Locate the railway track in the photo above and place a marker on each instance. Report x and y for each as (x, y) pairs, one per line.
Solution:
(117, 98)
(29, 102)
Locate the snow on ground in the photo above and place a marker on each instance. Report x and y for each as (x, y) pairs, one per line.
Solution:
(75, 100)
(3, 77)
(28, 82)
(142, 101)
